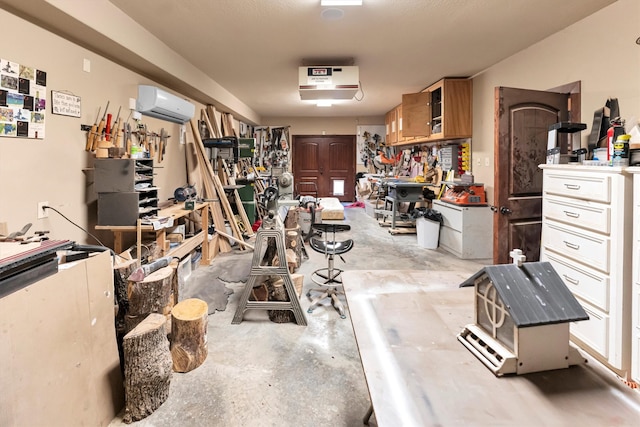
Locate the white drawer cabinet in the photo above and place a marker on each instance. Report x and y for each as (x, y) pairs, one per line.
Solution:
(466, 231)
(586, 235)
(635, 297)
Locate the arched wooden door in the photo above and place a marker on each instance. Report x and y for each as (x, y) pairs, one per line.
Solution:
(522, 119)
(329, 161)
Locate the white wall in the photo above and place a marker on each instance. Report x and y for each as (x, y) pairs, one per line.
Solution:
(600, 51)
(318, 125)
(54, 169)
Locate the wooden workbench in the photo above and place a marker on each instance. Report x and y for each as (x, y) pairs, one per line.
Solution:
(418, 374)
(174, 211)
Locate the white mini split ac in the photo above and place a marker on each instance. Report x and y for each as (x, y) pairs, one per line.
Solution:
(155, 102)
(328, 82)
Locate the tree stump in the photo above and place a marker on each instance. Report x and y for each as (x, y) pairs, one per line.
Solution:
(147, 368)
(151, 295)
(121, 272)
(292, 260)
(189, 319)
(291, 220)
(278, 292)
(292, 241)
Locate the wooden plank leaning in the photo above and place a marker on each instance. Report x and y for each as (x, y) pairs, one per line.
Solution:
(222, 245)
(210, 175)
(229, 177)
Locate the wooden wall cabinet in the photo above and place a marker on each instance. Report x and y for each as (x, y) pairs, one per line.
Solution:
(394, 127)
(442, 111)
(391, 127)
(587, 218)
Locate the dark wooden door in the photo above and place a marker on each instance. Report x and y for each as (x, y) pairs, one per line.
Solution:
(327, 160)
(522, 119)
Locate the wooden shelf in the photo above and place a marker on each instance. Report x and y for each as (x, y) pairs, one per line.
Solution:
(175, 212)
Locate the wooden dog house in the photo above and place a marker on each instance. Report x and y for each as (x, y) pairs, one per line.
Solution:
(522, 315)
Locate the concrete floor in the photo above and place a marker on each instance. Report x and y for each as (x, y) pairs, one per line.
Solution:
(260, 373)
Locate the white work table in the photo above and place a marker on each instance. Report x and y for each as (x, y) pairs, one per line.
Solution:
(418, 374)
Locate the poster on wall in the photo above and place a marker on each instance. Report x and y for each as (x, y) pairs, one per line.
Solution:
(23, 92)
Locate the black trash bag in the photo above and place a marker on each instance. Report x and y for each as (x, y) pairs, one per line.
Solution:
(426, 213)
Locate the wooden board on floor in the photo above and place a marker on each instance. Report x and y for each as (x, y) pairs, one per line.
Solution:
(402, 230)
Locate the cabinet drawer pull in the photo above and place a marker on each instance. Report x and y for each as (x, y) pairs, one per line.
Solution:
(572, 214)
(571, 245)
(571, 280)
(572, 186)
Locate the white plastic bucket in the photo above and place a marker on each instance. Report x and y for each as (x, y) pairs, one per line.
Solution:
(428, 233)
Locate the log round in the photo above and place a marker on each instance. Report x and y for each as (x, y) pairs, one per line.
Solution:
(147, 368)
(151, 295)
(189, 319)
(278, 292)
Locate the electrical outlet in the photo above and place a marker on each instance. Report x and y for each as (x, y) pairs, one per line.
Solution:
(43, 213)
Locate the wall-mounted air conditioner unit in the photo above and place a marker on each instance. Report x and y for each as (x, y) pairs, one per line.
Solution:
(328, 82)
(155, 102)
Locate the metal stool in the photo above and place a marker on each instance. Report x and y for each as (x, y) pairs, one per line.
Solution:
(328, 277)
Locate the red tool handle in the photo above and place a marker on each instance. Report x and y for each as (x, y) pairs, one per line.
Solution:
(107, 128)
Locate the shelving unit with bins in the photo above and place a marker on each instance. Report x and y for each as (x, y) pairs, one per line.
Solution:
(125, 190)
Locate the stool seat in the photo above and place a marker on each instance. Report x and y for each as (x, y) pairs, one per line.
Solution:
(328, 277)
(333, 228)
(328, 247)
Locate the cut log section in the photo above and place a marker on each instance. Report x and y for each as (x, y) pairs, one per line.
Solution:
(189, 319)
(147, 368)
(151, 295)
(277, 292)
(122, 270)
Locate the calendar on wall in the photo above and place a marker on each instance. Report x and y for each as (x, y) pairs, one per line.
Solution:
(23, 92)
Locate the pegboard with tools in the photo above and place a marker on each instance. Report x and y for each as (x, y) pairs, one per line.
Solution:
(273, 147)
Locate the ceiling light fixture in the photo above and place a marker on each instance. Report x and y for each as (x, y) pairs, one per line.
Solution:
(324, 103)
(340, 2)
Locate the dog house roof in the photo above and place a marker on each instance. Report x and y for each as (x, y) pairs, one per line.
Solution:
(534, 294)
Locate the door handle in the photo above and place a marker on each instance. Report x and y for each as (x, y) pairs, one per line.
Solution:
(505, 210)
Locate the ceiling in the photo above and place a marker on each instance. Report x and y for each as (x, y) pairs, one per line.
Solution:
(253, 48)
